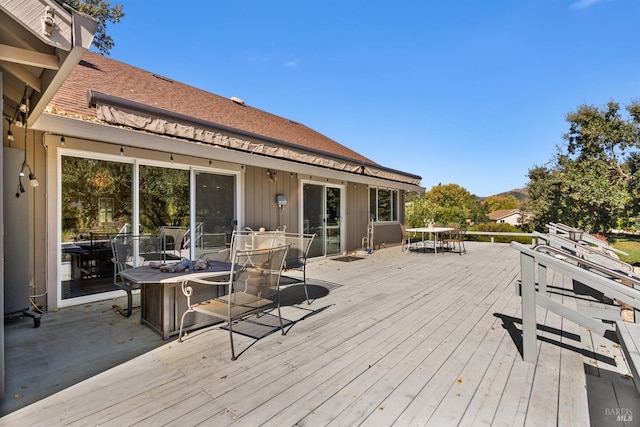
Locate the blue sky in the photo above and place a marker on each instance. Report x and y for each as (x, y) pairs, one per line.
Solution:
(467, 92)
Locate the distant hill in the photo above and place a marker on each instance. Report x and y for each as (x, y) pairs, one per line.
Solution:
(521, 194)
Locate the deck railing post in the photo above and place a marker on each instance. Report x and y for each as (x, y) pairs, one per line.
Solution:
(529, 325)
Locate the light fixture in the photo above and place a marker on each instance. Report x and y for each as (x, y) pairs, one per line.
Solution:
(62, 141)
(273, 176)
(20, 121)
(171, 157)
(32, 180)
(121, 151)
(22, 114)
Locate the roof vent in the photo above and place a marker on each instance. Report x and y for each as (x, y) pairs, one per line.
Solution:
(237, 100)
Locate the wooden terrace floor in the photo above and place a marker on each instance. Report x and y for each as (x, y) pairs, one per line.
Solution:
(393, 339)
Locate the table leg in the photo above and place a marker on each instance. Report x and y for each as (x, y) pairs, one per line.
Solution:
(435, 243)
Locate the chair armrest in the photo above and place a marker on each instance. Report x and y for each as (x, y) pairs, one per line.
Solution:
(218, 280)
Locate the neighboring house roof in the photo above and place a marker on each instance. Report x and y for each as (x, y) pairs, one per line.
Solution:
(121, 94)
(503, 213)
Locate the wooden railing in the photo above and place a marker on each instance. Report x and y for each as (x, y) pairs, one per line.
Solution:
(493, 234)
(619, 285)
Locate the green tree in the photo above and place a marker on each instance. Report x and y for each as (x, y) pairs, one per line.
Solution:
(442, 204)
(494, 203)
(104, 13)
(592, 182)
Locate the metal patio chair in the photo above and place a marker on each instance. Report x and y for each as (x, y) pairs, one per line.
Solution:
(408, 239)
(297, 255)
(247, 239)
(253, 288)
(131, 251)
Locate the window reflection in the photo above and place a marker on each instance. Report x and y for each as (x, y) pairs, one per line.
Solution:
(96, 202)
(164, 205)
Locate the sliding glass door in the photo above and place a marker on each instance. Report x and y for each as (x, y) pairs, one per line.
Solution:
(321, 213)
(96, 201)
(215, 212)
(195, 211)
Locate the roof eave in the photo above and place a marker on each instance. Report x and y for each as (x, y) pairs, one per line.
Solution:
(119, 136)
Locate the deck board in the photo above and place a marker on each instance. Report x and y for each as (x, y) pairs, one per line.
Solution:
(405, 339)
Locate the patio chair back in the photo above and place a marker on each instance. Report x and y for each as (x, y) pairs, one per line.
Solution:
(133, 250)
(128, 251)
(408, 239)
(456, 237)
(175, 237)
(253, 287)
(297, 255)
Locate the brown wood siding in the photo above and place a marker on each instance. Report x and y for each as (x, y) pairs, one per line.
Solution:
(357, 211)
(358, 216)
(261, 209)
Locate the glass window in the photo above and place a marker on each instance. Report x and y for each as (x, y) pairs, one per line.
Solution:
(164, 198)
(215, 211)
(105, 206)
(383, 204)
(95, 202)
(373, 203)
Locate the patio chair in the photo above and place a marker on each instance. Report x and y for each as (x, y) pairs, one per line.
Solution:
(247, 239)
(299, 245)
(456, 237)
(131, 251)
(408, 239)
(175, 238)
(253, 288)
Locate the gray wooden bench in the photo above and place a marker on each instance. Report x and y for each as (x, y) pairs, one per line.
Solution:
(629, 337)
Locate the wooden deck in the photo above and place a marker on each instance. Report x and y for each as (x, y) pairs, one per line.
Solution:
(392, 339)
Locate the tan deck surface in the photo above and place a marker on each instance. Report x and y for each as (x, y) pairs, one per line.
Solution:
(394, 339)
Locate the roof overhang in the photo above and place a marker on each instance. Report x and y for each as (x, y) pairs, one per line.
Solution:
(122, 136)
(41, 42)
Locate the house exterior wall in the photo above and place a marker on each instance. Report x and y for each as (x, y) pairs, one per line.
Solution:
(514, 219)
(258, 206)
(35, 234)
(357, 212)
(261, 209)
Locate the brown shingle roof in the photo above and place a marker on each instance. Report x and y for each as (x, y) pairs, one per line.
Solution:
(98, 73)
